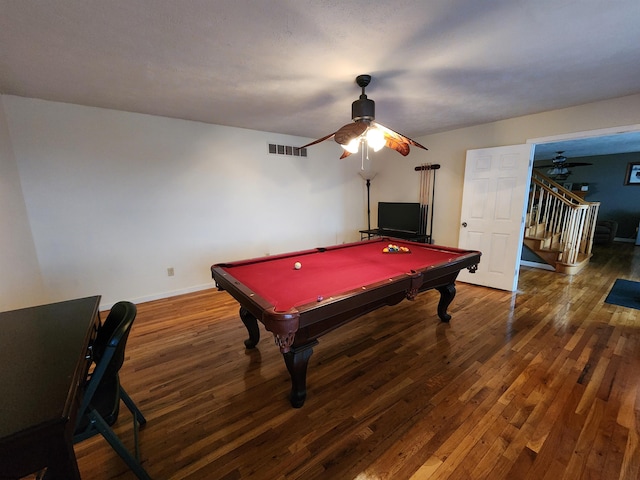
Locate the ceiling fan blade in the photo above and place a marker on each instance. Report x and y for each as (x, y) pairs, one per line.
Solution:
(401, 147)
(319, 140)
(345, 154)
(398, 138)
(350, 131)
(562, 164)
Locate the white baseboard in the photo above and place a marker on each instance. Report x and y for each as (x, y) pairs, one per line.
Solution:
(158, 296)
(624, 240)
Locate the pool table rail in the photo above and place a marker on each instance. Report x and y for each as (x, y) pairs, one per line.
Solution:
(325, 315)
(297, 329)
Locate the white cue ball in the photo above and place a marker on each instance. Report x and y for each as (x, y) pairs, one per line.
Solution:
(297, 265)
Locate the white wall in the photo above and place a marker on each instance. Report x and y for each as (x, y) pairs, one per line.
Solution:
(116, 198)
(397, 180)
(20, 280)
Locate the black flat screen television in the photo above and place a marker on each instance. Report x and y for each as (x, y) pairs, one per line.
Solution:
(399, 216)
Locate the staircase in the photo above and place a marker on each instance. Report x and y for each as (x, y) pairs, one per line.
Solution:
(559, 225)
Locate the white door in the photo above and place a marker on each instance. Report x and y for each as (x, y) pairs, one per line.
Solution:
(494, 202)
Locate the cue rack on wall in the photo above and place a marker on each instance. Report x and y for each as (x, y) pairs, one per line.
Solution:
(427, 198)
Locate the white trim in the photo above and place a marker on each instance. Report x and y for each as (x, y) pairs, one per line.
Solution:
(624, 240)
(158, 296)
(586, 134)
(541, 266)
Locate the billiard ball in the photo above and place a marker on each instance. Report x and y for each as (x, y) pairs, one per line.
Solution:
(297, 265)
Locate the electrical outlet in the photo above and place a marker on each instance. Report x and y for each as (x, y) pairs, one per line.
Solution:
(170, 271)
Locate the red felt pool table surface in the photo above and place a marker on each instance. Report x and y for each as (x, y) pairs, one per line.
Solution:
(335, 285)
(334, 270)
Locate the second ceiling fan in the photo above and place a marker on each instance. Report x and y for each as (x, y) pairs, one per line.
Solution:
(365, 130)
(559, 167)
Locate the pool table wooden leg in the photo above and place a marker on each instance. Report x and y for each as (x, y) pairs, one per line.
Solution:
(297, 360)
(447, 293)
(252, 328)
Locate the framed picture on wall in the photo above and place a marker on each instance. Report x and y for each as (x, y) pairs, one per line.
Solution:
(633, 174)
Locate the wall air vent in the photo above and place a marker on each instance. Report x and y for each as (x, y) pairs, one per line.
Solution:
(287, 150)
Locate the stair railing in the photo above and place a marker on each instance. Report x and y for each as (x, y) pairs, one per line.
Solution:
(566, 218)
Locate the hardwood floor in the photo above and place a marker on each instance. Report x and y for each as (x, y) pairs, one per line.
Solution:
(540, 384)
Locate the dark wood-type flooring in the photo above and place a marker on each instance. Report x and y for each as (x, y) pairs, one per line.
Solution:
(539, 384)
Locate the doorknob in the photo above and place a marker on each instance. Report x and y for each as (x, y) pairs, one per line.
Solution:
(464, 224)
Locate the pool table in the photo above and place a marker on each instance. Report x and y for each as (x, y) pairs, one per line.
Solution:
(332, 286)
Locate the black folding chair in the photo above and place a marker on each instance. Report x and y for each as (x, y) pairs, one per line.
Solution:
(103, 392)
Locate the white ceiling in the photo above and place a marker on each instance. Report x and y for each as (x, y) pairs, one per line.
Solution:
(288, 66)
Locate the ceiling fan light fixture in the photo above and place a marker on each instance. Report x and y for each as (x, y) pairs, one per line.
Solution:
(558, 171)
(350, 136)
(559, 168)
(353, 145)
(375, 138)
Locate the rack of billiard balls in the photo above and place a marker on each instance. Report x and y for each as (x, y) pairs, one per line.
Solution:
(391, 248)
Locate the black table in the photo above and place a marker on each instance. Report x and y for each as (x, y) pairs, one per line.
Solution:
(43, 361)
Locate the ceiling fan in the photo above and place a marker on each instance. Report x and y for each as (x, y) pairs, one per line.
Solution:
(365, 130)
(558, 169)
